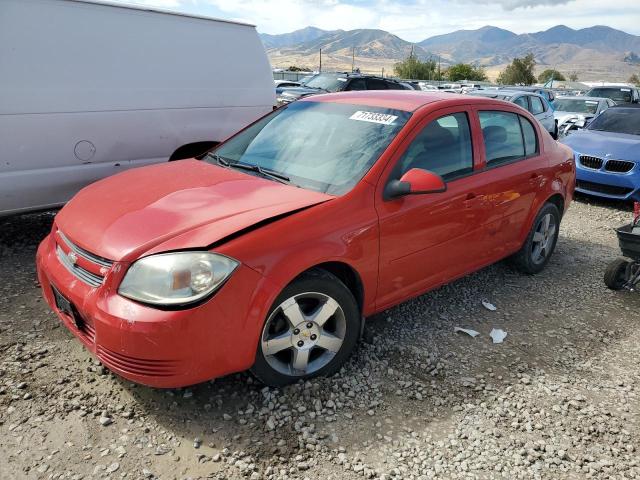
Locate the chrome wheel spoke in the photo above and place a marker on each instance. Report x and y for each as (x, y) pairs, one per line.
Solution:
(292, 312)
(277, 344)
(300, 360)
(538, 237)
(329, 342)
(324, 312)
(551, 232)
(545, 223)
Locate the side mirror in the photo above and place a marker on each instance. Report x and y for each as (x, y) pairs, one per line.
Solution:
(416, 181)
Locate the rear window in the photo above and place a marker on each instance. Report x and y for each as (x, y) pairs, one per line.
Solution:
(620, 95)
(576, 106)
(618, 120)
(537, 106)
(507, 137)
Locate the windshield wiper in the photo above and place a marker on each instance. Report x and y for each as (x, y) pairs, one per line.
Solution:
(265, 172)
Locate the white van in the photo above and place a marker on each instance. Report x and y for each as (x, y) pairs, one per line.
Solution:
(89, 89)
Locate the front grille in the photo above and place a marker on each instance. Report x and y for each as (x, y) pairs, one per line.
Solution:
(619, 166)
(137, 366)
(591, 162)
(103, 262)
(85, 275)
(86, 266)
(602, 188)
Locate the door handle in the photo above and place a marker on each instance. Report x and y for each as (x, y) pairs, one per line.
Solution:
(535, 176)
(470, 196)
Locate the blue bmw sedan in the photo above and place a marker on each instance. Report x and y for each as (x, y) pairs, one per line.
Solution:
(608, 154)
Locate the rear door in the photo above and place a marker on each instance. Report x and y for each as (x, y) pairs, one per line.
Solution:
(540, 110)
(513, 173)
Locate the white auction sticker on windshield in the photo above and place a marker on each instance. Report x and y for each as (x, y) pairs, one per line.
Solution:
(373, 117)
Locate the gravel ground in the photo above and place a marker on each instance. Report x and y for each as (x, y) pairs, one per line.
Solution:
(558, 399)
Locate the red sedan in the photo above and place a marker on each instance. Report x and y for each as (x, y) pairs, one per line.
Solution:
(269, 252)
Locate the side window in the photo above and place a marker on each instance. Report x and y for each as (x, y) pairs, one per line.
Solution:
(522, 102)
(537, 106)
(394, 86)
(376, 84)
(529, 135)
(357, 84)
(502, 135)
(443, 147)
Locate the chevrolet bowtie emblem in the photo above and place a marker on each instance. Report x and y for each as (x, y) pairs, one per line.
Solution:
(73, 258)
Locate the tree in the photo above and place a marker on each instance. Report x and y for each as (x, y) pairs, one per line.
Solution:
(520, 72)
(464, 71)
(573, 77)
(634, 79)
(412, 68)
(295, 68)
(549, 74)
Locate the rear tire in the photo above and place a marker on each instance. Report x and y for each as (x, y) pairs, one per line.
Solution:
(616, 274)
(540, 243)
(311, 330)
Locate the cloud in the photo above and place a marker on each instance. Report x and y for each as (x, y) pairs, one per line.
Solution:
(415, 20)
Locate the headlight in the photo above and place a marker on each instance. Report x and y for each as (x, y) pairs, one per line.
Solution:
(176, 278)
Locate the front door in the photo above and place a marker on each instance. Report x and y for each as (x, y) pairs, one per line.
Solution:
(429, 239)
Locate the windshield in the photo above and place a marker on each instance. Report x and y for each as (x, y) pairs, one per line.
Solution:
(322, 146)
(577, 106)
(620, 95)
(619, 120)
(330, 83)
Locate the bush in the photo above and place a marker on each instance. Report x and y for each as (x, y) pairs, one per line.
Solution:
(520, 72)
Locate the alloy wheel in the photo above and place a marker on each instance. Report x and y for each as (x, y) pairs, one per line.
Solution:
(543, 238)
(303, 334)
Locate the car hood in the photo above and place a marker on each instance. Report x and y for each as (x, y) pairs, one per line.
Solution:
(619, 146)
(563, 116)
(177, 205)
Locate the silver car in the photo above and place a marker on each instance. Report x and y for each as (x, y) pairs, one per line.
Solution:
(573, 112)
(534, 103)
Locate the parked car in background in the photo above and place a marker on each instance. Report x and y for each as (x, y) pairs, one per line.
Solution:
(90, 89)
(286, 83)
(338, 82)
(427, 87)
(608, 153)
(548, 94)
(269, 253)
(619, 95)
(534, 103)
(574, 113)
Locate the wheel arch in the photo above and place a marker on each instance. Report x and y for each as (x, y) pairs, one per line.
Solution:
(345, 273)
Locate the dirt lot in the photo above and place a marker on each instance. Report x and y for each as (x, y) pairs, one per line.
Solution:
(558, 399)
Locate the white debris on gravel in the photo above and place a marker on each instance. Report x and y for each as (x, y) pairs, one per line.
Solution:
(498, 335)
(468, 331)
(489, 306)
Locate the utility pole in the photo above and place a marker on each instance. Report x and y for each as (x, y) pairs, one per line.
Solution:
(353, 59)
(382, 72)
(439, 76)
(320, 61)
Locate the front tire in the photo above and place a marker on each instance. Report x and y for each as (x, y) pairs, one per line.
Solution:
(541, 241)
(616, 275)
(310, 330)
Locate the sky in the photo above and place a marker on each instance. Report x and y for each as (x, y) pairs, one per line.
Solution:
(414, 20)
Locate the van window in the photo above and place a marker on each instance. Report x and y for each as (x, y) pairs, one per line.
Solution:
(357, 84)
(503, 138)
(376, 84)
(443, 147)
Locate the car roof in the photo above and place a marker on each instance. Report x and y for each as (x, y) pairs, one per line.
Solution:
(626, 105)
(580, 97)
(503, 91)
(406, 100)
(612, 87)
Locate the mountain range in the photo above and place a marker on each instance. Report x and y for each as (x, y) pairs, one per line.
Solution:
(595, 53)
